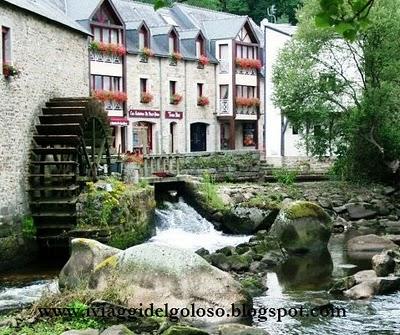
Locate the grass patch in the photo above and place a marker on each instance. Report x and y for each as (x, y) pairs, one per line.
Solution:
(210, 192)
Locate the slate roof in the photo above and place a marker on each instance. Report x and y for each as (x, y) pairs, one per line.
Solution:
(51, 10)
(282, 28)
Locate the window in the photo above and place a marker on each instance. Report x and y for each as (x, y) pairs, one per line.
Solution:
(143, 85)
(245, 51)
(143, 38)
(172, 88)
(200, 47)
(6, 43)
(106, 83)
(173, 42)
(249, 132)
(245, 91)
(107, 35)
(295, 130)
(200, 90)
(224, 91)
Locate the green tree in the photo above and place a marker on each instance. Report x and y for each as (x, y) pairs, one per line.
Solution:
(345, 95)
(346, 17)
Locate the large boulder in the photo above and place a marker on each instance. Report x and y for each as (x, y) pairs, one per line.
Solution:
(248, 220)
(150, 275)
(366, 246)
(85, 255)
(302, 226)
(384, 263)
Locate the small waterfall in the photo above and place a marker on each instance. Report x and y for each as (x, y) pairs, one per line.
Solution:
(181, 226)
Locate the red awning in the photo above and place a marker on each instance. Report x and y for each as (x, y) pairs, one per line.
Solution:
(119, 121)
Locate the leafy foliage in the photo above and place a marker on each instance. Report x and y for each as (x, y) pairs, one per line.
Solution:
(285, 176)
(28, 227)
(344, 97)
(347, 17)
(209, 190)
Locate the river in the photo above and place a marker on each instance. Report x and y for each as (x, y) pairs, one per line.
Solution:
(298, 283)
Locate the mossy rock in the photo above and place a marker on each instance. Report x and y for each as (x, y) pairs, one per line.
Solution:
(184, 330)
(253, 285)
(302, 226)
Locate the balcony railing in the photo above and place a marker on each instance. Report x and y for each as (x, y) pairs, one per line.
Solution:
(105, 58)
(243, 110)
(224, 106)
(113, 105)
(251, 72)
(223, 66)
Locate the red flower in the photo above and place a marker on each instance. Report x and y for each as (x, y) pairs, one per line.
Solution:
(248, 63)
(108, 48)
(146, 97)
(176, 99)
(120, 97)
(103, 96)
(10, 71)
(203, 60)
(176, 56)
(247, 102)
(147, 52)
(203, 101)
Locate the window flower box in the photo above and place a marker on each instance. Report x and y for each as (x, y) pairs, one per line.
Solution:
(145, 54)
(247, 102)
(174, 58)
(103, 96)
(203, 101)
(10, 71)
(203, 61)
(248, 63)
(107, 48)
(176, 99)
(146, 97)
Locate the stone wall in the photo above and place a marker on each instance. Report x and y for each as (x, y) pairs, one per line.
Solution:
(53, 61)
(227, 166)
(159, 73)
(303, 165)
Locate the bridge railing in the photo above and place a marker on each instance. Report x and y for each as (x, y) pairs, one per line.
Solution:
(160, 163)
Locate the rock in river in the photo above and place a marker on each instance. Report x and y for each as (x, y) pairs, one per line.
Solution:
(150, 273)
(366, 246)
(302, 226)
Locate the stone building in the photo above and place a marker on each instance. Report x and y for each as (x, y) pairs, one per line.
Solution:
(50, 52)
(214, 77)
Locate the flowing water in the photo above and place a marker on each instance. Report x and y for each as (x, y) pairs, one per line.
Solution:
(297, 283)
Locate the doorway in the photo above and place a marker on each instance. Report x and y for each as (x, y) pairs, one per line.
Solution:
(198, 137)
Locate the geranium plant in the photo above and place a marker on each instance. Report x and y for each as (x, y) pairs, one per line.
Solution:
(247, 102)
(10, 71)
(133, 157)
(103, 96)
(107, 48)
(175, 57)
(203, 101)
(146, 53)
(203, 60)
(176, 99)
(146, 97)
(248, 63)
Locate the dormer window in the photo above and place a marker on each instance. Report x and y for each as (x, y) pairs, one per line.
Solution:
(143, 38)
(200, 48)
(173, 42)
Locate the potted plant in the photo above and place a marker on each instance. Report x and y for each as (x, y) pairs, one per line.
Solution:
(145, 54)
(176, 99)
(247, 102)
(248, 63)
(203, 101)
(10, 71)
(146, 97)
(132, 163)
(203, 61)
(107, 48)
(119, 97)
(175, 57)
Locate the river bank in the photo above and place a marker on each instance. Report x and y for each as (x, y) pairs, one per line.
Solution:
(298, 281)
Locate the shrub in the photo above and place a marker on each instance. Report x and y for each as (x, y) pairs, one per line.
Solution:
(285, 176)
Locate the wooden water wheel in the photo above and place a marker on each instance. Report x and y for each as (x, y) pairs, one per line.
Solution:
(71, 146)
